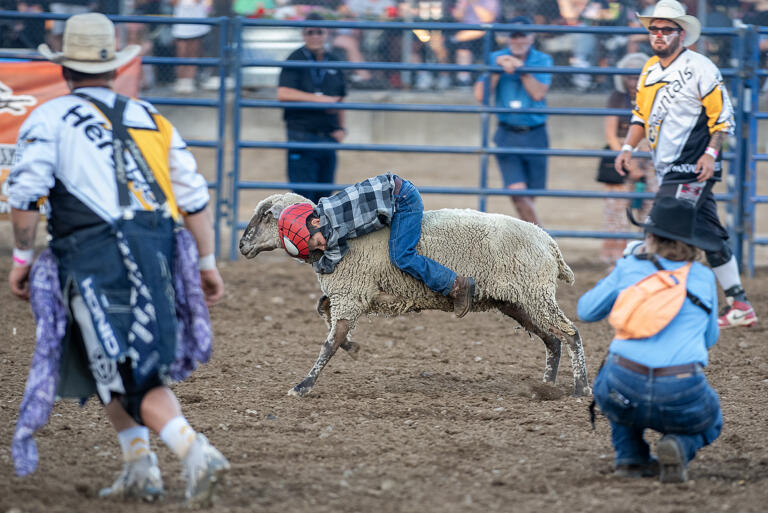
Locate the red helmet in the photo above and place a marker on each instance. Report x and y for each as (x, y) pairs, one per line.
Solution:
(292, 226)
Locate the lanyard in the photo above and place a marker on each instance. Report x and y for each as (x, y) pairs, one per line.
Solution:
(316, 74)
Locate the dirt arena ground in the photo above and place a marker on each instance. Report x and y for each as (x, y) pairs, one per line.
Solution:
(436, 414)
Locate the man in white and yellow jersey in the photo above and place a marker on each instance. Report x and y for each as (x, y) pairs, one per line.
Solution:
(111, 295)
(684, 111)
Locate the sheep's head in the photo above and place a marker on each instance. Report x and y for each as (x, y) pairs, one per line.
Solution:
(261, 233)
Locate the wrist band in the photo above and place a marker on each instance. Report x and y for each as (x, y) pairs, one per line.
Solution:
(627, 147)
(207, 262)
(22, 257)
(711, 152)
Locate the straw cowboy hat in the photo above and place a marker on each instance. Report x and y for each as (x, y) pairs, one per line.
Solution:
(675, 12)
(89, 45)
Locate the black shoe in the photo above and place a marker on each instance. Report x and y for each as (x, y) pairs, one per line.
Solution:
(650, 469)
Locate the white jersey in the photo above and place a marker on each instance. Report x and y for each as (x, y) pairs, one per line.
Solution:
(64, 152)
(680, 107)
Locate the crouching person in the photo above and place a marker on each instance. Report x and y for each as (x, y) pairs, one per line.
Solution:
(118, 298)
(663, 306)
(320, 233)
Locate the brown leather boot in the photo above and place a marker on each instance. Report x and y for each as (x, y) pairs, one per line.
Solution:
(462, 292)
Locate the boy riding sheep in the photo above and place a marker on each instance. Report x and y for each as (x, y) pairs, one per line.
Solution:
(319, 234)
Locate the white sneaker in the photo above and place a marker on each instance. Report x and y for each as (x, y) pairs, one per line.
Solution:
(423, 80)
(205, 468)
(184, 86)
(139, 479)
(213, 83)
(443, 82)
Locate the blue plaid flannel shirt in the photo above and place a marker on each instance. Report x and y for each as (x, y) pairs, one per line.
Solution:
(362, 208)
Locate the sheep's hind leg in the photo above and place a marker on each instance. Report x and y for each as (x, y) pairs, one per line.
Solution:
(324, 310)
(578, 363)
(336, 337)
(552, 344)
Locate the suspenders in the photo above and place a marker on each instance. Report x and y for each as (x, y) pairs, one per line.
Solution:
(121, 142)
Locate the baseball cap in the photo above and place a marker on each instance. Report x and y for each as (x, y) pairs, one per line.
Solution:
(519, 20)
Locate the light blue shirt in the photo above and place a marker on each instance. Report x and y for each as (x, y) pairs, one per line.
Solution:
(511, 93)
(684, 340)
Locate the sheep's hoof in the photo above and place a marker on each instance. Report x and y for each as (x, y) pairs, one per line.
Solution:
(323, 305)
(352, 348)
(300, 390)
(579, 391)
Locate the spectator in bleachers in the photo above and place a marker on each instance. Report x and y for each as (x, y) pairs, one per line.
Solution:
(349, 40)
(589, 49)
(542, 12)
(69, 7)
(639, 42)
(430, 45)
(321, 85)
(469, 43)
(756, 13)
(138, 34)
(189, 38)
(22, 33)
(640, 175)
(520, 90)
(721, 13)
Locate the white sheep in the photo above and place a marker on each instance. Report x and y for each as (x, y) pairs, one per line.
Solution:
(515, 265)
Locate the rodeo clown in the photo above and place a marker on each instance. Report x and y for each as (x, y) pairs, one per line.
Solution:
(682, 108)
(119, 288)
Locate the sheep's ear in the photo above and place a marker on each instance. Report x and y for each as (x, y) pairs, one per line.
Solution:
(276, 210)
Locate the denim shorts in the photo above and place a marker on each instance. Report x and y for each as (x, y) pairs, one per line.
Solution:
(523, 168)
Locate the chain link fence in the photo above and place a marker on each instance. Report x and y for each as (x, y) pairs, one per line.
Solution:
(459, 47)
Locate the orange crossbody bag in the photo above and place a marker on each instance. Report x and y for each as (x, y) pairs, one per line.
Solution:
(647, 307)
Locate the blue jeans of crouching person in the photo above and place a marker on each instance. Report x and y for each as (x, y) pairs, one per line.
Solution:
(404, 235)
(684, 405)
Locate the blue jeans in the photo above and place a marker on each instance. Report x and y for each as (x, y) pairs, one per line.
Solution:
(404, 235)
(311, 166)
(686, 406)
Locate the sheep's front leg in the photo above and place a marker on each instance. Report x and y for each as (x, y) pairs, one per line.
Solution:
(336, 337)
(324, 310)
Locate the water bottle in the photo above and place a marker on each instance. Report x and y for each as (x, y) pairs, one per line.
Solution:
(637, 203)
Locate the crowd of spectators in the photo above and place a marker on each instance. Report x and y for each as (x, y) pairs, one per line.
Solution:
(462, 47)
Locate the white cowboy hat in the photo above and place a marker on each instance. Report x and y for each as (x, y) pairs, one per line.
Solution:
(89, 45)
(675, 12)
(631, 60)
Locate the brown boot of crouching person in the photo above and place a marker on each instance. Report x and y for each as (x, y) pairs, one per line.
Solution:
(462, 292)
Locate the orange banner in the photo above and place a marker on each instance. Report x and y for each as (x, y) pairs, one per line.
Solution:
(24, 85)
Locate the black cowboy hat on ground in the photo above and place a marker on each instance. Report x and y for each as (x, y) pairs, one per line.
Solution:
(674, 219)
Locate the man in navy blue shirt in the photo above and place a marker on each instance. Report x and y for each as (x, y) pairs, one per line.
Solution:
(519, 90)
(322, 85)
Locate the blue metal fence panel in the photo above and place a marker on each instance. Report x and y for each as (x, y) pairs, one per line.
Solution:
(220, 62)
(742, 198)
(735, 196)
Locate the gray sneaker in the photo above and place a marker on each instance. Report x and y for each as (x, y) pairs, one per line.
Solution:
(205, 469)
(140, 479)
(672, 464)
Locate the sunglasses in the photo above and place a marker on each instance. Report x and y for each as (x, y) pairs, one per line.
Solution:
(314, 32)
(666, 31)
(516, 35)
